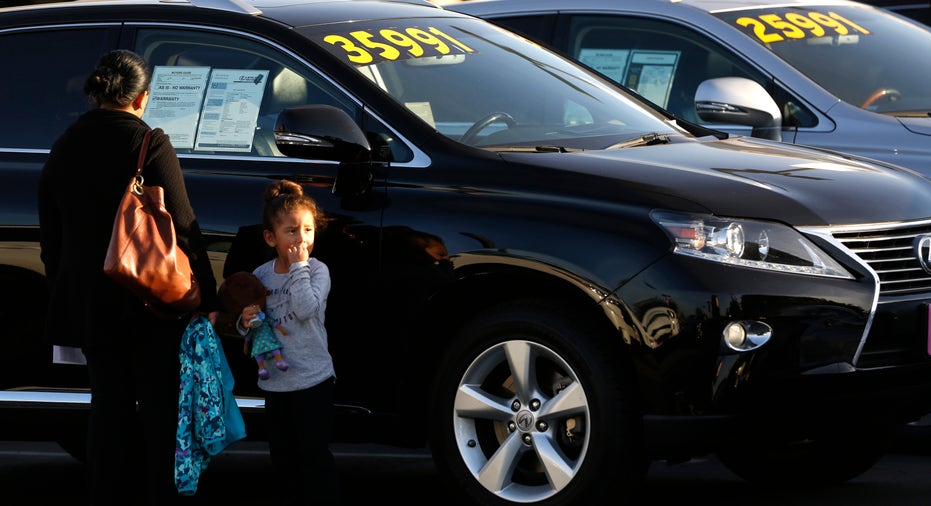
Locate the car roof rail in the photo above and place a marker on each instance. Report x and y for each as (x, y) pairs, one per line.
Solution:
(245, 7)
(228, 5)
(417, 2)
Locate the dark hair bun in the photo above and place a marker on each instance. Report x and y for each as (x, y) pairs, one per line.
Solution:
(120, 77)
(283, 187)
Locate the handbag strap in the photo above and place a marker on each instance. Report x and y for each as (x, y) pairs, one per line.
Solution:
(142, 152)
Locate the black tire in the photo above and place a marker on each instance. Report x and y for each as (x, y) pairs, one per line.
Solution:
(513, 386)
(826, 457)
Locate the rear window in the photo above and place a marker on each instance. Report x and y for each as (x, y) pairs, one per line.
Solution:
(43, 93)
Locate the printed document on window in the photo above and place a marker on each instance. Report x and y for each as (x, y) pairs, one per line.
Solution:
(231, 110)
(175, 102)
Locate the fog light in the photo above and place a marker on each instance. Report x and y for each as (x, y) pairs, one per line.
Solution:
(746, 335)
(735, 335)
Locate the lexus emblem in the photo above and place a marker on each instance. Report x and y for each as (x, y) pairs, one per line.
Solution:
(524, 420)
(923, 252)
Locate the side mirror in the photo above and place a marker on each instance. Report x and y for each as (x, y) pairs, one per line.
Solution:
(323, 132)
(320, 132)
(739, 101)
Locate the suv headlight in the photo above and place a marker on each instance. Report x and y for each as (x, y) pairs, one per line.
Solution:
(747, 243)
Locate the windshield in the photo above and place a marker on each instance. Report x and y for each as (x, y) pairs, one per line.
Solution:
(485, 87)
(865, 57)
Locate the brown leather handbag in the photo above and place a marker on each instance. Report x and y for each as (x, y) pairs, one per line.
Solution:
(144, 255)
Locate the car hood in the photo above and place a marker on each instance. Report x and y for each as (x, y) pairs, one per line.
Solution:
(745, 177)
(918, 125)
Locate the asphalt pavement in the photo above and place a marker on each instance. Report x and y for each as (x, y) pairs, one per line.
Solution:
(41, 473)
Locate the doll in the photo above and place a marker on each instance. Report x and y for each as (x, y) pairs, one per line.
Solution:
(240, 290)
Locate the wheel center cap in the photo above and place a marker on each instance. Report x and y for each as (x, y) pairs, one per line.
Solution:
(524, 420)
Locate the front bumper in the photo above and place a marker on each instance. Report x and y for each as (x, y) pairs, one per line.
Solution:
(830, 352)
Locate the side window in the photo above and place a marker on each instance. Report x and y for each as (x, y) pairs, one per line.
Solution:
(215, 93)
(665, 63)
(534, 27)
(42, 93)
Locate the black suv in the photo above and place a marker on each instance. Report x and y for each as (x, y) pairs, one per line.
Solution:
(539, 277)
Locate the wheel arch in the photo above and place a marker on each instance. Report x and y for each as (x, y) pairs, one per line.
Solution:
(486, 284)
(481, 285)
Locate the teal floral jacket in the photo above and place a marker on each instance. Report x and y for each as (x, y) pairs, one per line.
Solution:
(208, 417)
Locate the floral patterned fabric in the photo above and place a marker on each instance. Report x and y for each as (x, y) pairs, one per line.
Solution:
(208, 417)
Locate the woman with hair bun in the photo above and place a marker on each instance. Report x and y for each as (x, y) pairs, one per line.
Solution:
(132, 355)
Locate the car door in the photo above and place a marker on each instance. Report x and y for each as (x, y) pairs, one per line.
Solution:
(40, 95)
(218, 96)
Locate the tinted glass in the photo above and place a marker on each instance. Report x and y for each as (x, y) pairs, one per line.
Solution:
(664, 62)
(215, 93)
(865, 57)
(43, 93)
(486, 87)
(539, 28)
(219, 94)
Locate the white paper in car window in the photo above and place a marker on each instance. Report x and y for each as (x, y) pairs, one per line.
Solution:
(610, 62)
(175, 102)
(651, 73)
(231, 110)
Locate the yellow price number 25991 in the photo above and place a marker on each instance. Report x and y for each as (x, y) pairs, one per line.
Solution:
(794, 25)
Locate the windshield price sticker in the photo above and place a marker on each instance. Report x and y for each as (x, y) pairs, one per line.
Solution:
(796, 25)
(365, 47)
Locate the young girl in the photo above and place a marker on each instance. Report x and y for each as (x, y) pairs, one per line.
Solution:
(299, 400)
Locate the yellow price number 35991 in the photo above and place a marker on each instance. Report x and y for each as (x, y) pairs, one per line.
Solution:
(363, 47)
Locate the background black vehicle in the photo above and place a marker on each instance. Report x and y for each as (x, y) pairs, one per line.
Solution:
(536, 275)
